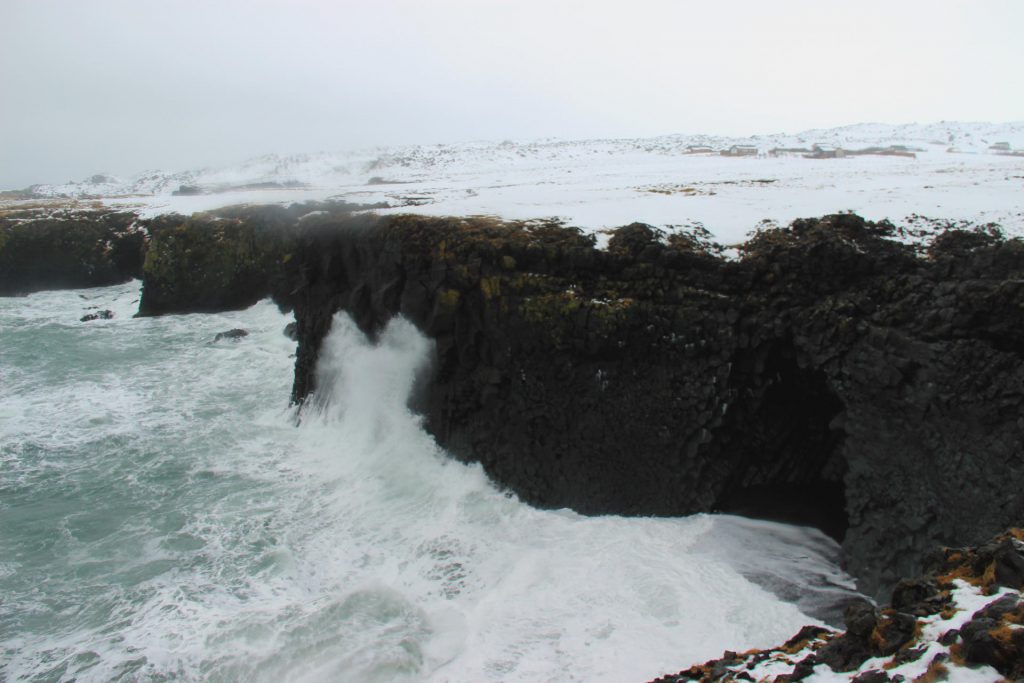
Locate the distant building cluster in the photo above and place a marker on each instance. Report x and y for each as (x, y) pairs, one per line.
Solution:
(734, 151)
(740, 151)
(825, 151)
(1004, 149)
(822, 151)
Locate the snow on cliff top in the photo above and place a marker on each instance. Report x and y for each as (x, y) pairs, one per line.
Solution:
(941, 170)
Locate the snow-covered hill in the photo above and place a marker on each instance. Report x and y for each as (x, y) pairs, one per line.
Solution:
(947, 170)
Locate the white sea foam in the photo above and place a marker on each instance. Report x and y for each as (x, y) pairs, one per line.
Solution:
(164, 518)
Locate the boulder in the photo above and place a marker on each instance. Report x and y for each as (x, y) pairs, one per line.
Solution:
(98, 315)
(232, 335)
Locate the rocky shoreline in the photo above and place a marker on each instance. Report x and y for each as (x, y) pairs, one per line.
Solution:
(965, 612)
(68, 249)
(831, 375)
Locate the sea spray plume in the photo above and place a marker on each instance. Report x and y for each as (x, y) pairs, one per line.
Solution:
(456, 535)
(357, 379)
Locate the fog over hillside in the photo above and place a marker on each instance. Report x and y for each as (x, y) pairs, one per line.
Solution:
(118, 86)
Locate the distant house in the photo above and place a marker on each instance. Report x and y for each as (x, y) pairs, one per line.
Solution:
(740, 151)
(699, 149)
(1000, 148)
(825, 152)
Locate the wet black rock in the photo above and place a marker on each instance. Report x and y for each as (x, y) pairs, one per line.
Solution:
(994, 636)
(894, 632)
(803, 636)
(999, 561)
(860, 618)
(291, 330)
(843, 654)
(920, 597)
(98, 315)
(1007, 604)
(232, 335)
(1008, 559)
(872, 676)
(911, 654)
(980, 646)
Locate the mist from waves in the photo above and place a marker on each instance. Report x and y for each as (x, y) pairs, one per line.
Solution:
(162, 518)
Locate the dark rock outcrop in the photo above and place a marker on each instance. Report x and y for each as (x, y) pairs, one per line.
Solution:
(601, 381)
(213, 262)
(231, 335)
(98, 315)
(223, 260)
(996, 637)
(926, 612)
(68, 249)
(830, 376)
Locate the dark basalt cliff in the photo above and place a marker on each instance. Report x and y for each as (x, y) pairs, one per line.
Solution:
(68, 249)
(223, 260)
(830, 375)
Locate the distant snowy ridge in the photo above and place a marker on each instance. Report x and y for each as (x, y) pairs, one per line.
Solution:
(423, 162)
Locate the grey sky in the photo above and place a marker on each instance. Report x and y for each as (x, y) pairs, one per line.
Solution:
(124, 85)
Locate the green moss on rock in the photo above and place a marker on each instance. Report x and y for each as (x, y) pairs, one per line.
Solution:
(209, 263)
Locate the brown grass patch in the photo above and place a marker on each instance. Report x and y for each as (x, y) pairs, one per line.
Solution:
(937, 671)
(1004, 634)
(988, 578)
(964, 573)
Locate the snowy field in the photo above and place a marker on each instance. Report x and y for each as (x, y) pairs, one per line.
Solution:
(954, 171)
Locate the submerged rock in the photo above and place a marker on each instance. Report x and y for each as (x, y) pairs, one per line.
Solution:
(233, 335)
(98, 315)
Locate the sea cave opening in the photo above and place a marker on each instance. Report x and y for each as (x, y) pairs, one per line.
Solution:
(787, 435)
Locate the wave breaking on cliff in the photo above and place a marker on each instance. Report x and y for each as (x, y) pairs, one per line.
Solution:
(186, 530)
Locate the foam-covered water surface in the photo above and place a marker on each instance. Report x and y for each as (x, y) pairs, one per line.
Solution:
(162, 517)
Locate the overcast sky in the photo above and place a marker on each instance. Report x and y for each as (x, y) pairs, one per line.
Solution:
(120, 86)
